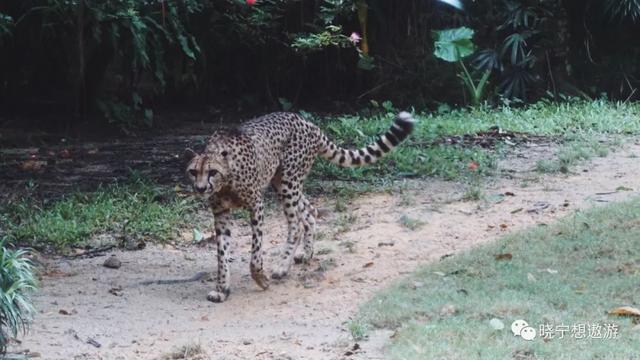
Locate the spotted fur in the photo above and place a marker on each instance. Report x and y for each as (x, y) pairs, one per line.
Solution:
(276, 149)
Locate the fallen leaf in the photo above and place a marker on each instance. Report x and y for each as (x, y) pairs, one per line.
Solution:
(538, 207)
(33, 165)
(516, 210)
(386, 243)
(197, 235)
(503, 226)
(353, 350)
(117, 291)
(506, 256)
(625, 311)
(65, 153)
(93, 342)
(64, 312)
(369, 264)
(509, 193)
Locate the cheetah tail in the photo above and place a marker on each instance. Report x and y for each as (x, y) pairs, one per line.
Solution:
(401, 128)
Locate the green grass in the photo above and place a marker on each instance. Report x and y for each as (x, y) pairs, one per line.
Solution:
(410, 223)
(575, 151)
(358, 330)
(572, 272)
(187, 352)
(418, 157)
(17, 281)
(135, 210)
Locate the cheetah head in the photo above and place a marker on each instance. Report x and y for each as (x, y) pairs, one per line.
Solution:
(208, 172)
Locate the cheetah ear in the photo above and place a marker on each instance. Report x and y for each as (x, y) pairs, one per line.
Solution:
(188, 154)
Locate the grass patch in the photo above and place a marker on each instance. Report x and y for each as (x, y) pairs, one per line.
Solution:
(572, 272)
(358, 330)
(345, 222)
(410, 223)
(187, 352)
(418, 157)
(137, 209)
(574, 152)
(474, 192)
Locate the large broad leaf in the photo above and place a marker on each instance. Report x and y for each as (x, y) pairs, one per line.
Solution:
(453, 44)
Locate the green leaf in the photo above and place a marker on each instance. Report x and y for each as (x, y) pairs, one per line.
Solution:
(285, 104)
(148, 117)
(197, 235)
(366, 62)
(186, 49)
(453, 44)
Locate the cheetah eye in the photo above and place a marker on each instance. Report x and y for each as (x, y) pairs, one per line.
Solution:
(212, 173)
(193, 172)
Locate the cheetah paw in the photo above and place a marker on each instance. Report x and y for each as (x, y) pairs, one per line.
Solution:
(261, 279)
(217, 297)
(302, 258)
(279, 274)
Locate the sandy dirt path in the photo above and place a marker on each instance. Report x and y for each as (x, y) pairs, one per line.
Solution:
(304, 316)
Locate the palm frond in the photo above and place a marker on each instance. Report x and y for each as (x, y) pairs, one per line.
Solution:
(623, 9)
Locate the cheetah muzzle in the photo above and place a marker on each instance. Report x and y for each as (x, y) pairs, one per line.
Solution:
(276, 149)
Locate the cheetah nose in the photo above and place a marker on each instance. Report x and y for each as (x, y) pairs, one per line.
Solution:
(201, 189)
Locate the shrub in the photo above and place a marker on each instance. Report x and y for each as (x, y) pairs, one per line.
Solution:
(17, 280)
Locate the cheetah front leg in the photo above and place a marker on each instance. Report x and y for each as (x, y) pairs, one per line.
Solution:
(257, 273)
(223, 237)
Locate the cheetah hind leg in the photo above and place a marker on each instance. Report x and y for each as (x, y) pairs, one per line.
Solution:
(307, 220)
(292, 210)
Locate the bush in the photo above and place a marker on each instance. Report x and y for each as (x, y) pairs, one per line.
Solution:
(17, 280)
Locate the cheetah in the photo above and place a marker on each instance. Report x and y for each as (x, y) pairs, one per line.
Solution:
(276, 149)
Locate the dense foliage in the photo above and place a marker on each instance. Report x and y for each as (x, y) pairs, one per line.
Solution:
(117, 60)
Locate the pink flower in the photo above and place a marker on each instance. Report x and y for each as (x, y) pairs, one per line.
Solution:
(473, 166)
(355, 38)
(251, 2)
